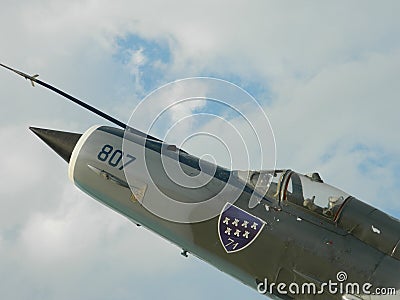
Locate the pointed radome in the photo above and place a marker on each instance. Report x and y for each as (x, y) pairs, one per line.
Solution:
(63, 143)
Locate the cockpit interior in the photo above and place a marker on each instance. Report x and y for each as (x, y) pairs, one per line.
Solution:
(290, 188)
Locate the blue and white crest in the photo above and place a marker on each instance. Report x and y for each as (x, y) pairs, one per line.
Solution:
(237, 229)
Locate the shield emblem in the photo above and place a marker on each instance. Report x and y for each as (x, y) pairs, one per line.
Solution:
(237, 229)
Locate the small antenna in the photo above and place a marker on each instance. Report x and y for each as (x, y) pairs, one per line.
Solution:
(34, 79)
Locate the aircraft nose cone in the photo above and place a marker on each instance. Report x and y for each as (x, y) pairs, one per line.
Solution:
(60, 141)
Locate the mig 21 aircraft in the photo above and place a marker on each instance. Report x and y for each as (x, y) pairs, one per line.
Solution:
(286, 234)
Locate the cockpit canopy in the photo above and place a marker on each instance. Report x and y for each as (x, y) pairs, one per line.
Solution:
(306, 191)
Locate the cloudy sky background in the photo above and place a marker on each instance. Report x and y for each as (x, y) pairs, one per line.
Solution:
(326, 73)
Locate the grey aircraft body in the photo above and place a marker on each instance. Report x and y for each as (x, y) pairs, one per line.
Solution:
(288, 235)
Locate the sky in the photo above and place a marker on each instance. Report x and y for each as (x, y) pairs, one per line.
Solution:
(324, 72)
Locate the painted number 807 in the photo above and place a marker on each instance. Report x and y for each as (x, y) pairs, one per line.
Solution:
(114, 157)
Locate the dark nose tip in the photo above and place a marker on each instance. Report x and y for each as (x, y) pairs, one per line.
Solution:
(62, 142)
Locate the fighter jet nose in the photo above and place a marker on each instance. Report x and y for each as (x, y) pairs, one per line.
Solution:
(63, 143)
